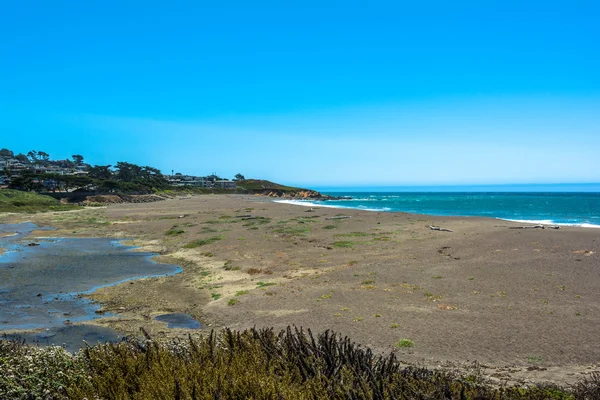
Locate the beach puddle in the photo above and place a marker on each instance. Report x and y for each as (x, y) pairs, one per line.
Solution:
(182, 321)
(42, 280)
(71, 338)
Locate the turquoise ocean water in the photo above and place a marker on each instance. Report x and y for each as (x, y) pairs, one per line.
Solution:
(539, 204)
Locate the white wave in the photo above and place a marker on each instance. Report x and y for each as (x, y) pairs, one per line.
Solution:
(308, 203)
(550, 222)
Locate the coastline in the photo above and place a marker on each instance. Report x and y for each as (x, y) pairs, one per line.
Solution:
(376, 277)
(312, 203)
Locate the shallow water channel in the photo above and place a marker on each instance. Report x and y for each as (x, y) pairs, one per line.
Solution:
(42, 279)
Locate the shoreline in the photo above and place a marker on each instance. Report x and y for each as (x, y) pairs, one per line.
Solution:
(520, 298)
(310, 203)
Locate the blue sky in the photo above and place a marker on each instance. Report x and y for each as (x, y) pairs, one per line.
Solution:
(323, 93)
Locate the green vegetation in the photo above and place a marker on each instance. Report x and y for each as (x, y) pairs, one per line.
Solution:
(259, 364)
(343, 244)
(265, 284)
(257, 221)
(258, 185)
(174, 231)
(17, 201)
(352, 234)
(329, 227)
(292, 230)
(405, 343)
(232, 302)
(202, 242)
(215, 296)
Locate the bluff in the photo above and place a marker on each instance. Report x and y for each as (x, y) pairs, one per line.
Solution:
(271, 189)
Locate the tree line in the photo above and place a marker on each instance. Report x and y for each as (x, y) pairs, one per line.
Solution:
(124, 176)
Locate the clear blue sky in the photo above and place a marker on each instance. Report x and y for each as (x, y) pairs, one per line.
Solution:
(311, 92)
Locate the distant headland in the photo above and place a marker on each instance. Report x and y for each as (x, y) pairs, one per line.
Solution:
(77, 181)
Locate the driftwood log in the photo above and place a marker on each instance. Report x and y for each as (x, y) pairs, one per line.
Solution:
(437, 228)
(539, 226)
(339, 217)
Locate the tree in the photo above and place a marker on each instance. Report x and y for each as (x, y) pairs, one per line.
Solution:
(239, 177)
(6, 153)
(127, 172)
(33, 156)
(77, 159)
(100, 172)
(22, 158)
(28, 181)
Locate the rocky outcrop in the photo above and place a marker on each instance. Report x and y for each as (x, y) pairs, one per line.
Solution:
(299, 195)
(122, 198)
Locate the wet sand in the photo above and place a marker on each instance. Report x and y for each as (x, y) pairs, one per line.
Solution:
(524, 303)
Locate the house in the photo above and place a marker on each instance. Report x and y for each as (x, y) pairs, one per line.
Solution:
(225, 184)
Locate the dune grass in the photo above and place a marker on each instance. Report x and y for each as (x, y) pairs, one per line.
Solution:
(256, 364)
(28, 202)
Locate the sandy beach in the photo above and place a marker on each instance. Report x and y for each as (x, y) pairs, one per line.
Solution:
(523, 303)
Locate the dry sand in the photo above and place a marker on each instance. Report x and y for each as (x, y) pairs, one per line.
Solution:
(524, 303)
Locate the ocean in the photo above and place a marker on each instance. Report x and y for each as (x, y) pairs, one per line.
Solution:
(561, 208)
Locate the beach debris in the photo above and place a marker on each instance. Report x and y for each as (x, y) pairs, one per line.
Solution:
(310, 210)
(339, 217)
(539, 226)
(181, 216)
(437, 228)
(244, 216)
(33, 244)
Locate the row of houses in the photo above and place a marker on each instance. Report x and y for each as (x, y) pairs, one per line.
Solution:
(199, 181)
(11, 168)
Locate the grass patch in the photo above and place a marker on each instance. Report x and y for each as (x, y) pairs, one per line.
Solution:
(329, 227)
(265, 284)
(18, 201)
(207, 254)
(208, 229)
(405, 343)
(215, 296)
(343, 244)
(232, 302)
(203, 242)
(257, 221)
(352, 234)
(241, 292)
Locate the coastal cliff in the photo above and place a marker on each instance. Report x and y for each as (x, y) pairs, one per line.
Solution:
(271, 189)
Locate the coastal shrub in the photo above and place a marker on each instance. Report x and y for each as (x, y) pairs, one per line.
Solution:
(202, 242)
(174, 231)
(257, 364)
